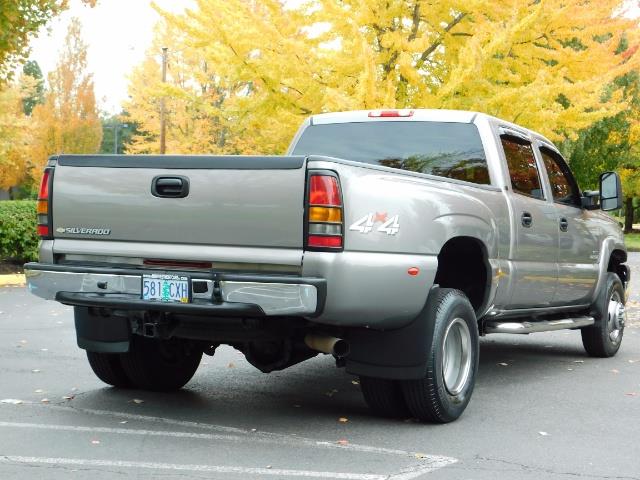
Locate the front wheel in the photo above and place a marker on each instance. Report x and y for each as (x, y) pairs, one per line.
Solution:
(605, 337)
(160, 365)
(452, 361)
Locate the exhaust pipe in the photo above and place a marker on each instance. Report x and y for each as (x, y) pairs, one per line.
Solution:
(326, 344)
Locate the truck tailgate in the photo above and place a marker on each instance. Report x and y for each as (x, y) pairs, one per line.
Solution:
(231, 201)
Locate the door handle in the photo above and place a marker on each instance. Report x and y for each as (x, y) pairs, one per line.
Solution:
(170, 187)
(527, 219)
(564, 224)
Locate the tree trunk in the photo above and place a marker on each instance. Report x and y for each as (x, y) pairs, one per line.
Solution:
(628, 215)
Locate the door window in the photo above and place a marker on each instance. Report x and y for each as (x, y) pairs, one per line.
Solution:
(523, 169)
(563, 186)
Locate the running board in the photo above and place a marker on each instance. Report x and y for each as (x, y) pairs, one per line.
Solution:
(494, 326)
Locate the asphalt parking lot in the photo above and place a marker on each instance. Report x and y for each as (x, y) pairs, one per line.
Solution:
(541, 409)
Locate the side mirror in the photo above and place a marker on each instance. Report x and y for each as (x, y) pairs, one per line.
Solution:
(610, 191)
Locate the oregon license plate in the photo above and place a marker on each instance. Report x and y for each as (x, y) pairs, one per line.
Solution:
(166, 288)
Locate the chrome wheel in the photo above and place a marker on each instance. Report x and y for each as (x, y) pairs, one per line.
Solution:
(615, 317)
(456, 356)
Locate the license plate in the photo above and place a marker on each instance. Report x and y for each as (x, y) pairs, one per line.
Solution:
(166, 288)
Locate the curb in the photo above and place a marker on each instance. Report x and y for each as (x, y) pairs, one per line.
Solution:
(14, 279)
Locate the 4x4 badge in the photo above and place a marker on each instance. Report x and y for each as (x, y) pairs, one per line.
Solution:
(390, 226)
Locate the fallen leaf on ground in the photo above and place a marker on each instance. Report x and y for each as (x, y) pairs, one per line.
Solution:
(342, 442)
(137, 401)
(343, 419)
(11, 401)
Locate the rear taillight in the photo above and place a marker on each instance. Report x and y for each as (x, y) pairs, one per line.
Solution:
(43, 207)
(324, 212)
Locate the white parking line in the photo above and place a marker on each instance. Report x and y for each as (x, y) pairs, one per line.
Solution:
(253, 436)
(81, 462)
(425, 463)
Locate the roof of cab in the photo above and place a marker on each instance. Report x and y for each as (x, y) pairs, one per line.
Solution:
(418, 115)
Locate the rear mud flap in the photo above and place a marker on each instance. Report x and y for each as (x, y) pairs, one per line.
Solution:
(100, 333)
(393, 354)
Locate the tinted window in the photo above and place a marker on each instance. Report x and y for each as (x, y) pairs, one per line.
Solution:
(452, 150)
(523, 169)
(563, 186)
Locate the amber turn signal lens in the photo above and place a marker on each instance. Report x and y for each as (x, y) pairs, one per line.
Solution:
(325, 214)
(42, 207)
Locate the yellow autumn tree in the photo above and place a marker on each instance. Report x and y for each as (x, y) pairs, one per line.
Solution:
(15, 130)
(543, 64)
(68, 120)
(194, 95)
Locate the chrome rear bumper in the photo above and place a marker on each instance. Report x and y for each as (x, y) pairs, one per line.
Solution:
(274, 295)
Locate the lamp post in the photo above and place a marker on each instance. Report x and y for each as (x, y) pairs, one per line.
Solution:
(116, 127)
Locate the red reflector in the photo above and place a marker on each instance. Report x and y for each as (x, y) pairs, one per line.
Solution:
(44, 185)
(413, 271)
(43, 230)
(323, 190)
(390, 113)
(327, 242)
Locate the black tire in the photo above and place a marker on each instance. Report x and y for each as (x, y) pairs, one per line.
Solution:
(598, 340)
(108, 368)
(433, 399)
(384, 397)
(160, 365)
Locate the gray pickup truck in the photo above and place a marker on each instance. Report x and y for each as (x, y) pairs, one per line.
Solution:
(391, 239)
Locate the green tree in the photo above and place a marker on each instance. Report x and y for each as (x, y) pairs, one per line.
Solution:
(125, 128)
(32, 69)
(612, 144)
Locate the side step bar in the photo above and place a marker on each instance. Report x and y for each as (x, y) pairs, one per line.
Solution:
(537, 326)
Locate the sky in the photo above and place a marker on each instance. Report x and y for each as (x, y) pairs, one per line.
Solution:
(118, 34)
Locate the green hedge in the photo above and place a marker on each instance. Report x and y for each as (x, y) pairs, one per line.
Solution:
(18, 237)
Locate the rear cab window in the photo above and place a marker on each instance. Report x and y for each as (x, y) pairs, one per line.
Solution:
(523, 168)
(444, 149)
